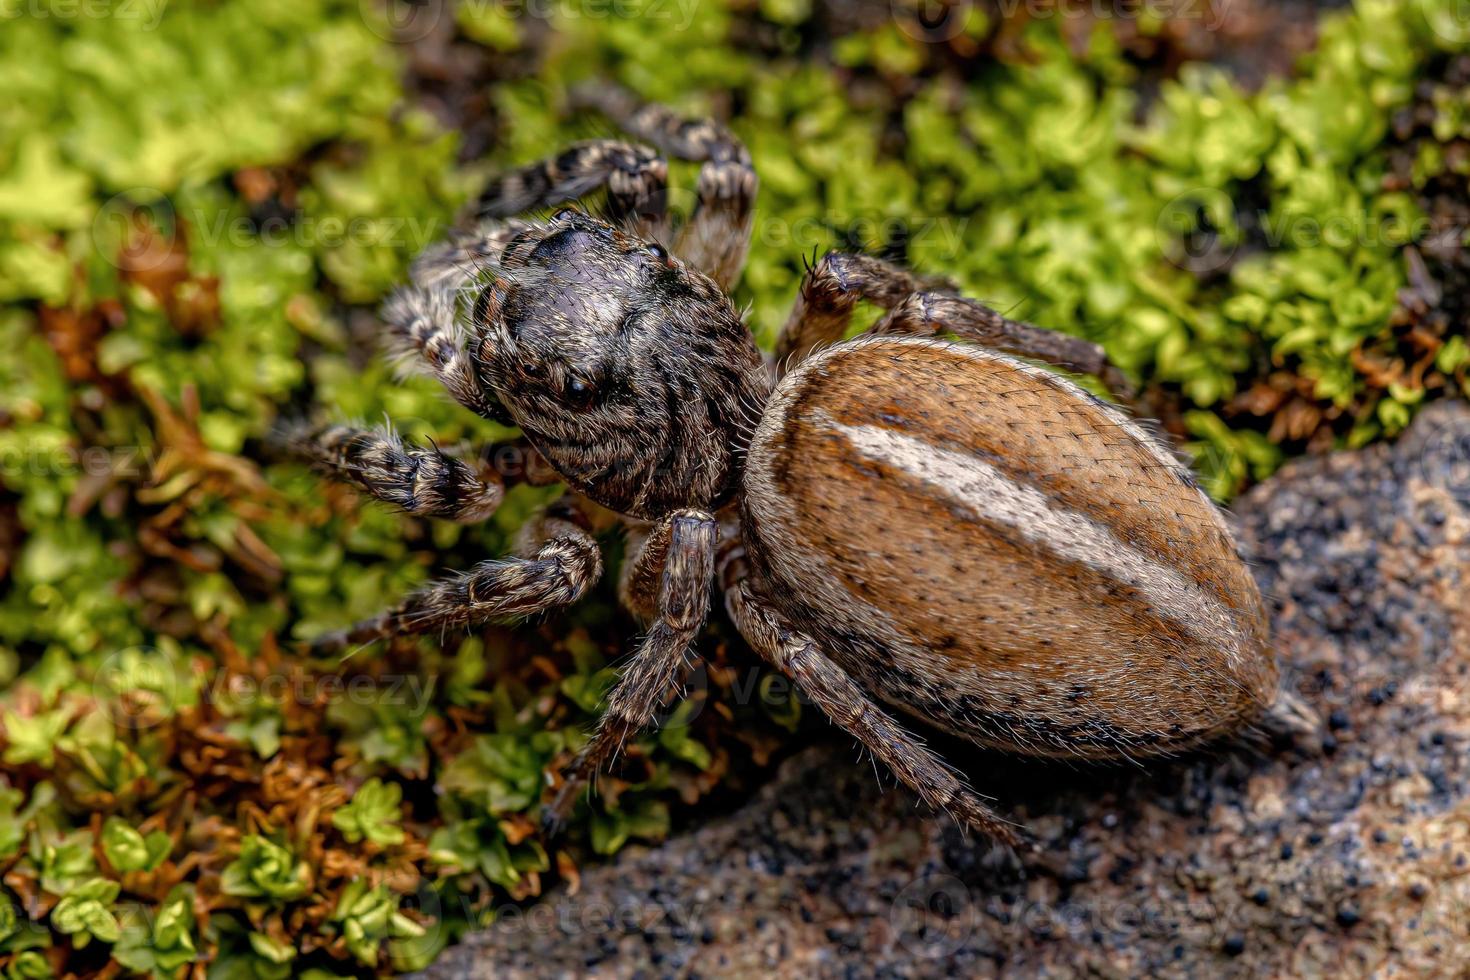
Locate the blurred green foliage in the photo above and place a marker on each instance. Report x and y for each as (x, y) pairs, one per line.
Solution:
(200, 202)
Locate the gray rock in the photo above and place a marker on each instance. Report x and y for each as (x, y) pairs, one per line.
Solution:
(1255, 858)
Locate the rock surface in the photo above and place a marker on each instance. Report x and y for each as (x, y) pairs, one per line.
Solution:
(1256, 858)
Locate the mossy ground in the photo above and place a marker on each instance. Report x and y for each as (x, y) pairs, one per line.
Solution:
(201, 203)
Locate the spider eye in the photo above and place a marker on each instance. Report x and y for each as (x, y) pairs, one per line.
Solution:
(658, 252)
(563, 213)
(579, 392)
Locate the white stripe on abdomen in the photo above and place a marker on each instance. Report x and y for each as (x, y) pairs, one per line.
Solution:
(994, 497)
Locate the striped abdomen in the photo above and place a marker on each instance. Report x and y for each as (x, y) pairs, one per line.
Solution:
(988, 547)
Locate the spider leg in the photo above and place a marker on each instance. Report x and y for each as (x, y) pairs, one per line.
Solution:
(635, 176)
(424, 482)
(717, 236)
(850, 708)
(927, 314)
(466, 255)
(642, 571)
(683, 600)
(557, 573)
(833, 287)
(424, 323)
(830, 292)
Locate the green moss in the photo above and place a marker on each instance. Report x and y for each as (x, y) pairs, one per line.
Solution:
(198, 211)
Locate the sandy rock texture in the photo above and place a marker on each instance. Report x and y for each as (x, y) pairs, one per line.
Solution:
(1255, 858)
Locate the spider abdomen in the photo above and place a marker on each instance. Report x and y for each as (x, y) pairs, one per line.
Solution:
(987, 547)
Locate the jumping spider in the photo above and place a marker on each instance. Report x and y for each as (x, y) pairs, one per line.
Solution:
(931, 524)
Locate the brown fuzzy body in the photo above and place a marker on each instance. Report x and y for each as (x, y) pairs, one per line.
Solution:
(990, 549)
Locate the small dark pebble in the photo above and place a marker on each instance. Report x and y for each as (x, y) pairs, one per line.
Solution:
(1260, 896)
(1234, 945)
(1287, 851)
(1338, 720)
(1418, 890)
(1347, 916)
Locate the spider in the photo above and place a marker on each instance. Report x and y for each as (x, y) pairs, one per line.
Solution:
(914, 519)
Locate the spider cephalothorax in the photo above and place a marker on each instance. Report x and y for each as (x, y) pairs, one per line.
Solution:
(897, 518)
(628, 370)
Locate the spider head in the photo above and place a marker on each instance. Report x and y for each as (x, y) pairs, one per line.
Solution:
(630, 372)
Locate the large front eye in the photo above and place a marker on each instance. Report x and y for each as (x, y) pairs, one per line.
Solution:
(660, 253)
(579, 393)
